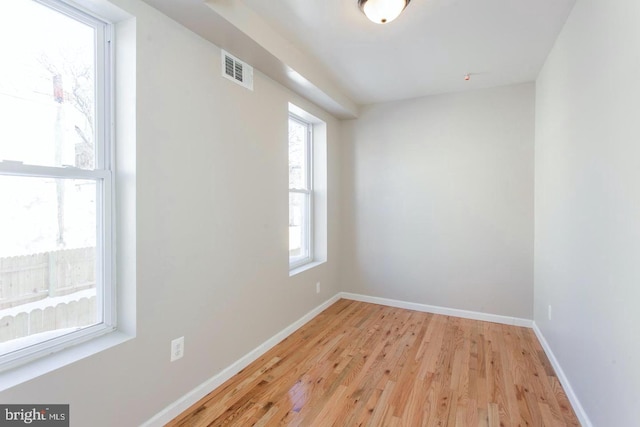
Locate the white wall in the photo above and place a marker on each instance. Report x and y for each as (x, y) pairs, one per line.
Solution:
(587, 202)
(212, 232)
(439, 204)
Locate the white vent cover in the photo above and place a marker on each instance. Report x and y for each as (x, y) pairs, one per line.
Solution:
(236, 70)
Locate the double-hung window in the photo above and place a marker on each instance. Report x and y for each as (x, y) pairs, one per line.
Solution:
(300, 192)
(56, 183)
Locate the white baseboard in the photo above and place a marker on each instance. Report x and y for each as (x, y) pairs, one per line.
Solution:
(571, 395)
(182, 404)
(475, 315)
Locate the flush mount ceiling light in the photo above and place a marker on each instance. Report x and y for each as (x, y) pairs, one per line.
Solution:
(382, 11)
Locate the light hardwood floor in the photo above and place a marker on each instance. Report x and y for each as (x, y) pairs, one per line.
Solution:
(371, 365)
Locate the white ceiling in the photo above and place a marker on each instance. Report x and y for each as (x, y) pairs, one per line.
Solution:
(330, 53)
(428, 49)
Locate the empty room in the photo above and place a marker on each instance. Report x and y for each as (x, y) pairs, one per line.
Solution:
(320, 213)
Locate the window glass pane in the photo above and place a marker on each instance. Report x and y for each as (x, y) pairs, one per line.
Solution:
(47, 259)
(297, 155)
(47, 86)
(298, 226)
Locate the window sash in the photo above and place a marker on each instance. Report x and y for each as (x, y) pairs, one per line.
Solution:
(103, 176)
(103, 72)
(8, 167)
(307, 234)
(299, 191)
(105, 291)
(308, 159)
(43, 348)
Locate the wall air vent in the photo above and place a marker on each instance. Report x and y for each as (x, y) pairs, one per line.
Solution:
(237, 71)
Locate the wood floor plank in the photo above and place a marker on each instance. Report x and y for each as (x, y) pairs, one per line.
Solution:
(567, 411)
(360, 364)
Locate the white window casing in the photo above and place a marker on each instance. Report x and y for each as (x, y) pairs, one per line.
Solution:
(307, 191)
(315, 189)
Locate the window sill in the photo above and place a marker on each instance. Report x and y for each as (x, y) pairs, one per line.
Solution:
(44, 365)
(305, 267)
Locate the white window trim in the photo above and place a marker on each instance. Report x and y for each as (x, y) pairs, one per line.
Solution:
(308, 235)
(318, 171)
(103, 176)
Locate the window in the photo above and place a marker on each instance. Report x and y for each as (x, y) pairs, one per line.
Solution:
(308, 191)
(56, 179)
(300, 192)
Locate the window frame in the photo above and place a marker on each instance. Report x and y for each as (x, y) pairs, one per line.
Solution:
(104, 177)
(308, 232)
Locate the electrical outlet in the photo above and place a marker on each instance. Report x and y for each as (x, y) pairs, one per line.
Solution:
(177, 349)
(549, 312)
(317, 287)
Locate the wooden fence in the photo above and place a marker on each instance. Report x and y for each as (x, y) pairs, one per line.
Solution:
(71, 314)
(25, 279)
